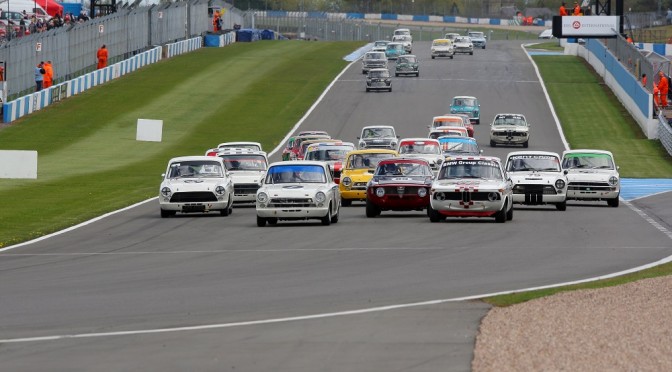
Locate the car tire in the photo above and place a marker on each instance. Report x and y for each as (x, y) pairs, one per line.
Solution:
(346, 202)
(483, 46)
(526, 144)
(561, 206)
(433, 57)
(396, 75)
(166, 214)
(451, 57)
(434, 216)
(613, 202)
(372, 210)
(389, 90)
(326, 220)
(368, 90)
(500, 217)
(417, 74)
(261, 221)
(272, 221)
(363, 71)
(493, 143)
(229, 208)
(509, 214)
(334, 218)
(471, 53)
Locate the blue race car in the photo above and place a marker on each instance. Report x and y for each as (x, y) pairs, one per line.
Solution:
(466, 105)
(458, 146)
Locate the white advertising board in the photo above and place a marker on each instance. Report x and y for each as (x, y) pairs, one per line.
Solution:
(594, 26)
(18, 164)
(149, 130)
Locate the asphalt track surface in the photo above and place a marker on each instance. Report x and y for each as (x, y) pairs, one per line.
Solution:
(80, 300)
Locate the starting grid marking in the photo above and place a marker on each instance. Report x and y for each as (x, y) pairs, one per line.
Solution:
(637, 188)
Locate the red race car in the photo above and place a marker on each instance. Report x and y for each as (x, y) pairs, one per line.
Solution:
(399, 184)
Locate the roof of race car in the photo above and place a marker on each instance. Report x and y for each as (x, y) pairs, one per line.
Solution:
(298, 162)
(459, 97)
(373, 151)
(195, 157)
(404, 140)
(403, 159)
(456, 139)
(474, 157)
(587, 151)
(545, 153)
(238, 150)
(239, 143)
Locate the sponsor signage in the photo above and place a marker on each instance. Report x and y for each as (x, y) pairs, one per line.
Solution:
(586, 26)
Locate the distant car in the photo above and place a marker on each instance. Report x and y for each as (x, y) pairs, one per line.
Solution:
(293, 147)
(372, 60)
(256, 146)
(463, 45)
(307, 143)
(407, 65)
(435, 133)
(380, 45)
(298, 190)
(378, 136)
(450, 120)
(467, 122)
(402, 31)
(478, 39)
(405, 40)
(466, 105)
(394, 50)
(358, 170)
(452, 146)
(246, 168)
(509, 129)
(471, 186)
(422, 148)
(399, 184)
(592, 175)
(333, 153)
(442, 48)
(546, 34)
(537, 178)
(196, 184)
(378, 79)
(451, 36)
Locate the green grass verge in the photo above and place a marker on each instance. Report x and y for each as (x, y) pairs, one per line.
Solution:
(553, 46)
(89, 161)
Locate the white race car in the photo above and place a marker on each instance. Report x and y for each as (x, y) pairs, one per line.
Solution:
(592, 175)
(246, 168)
(196, 184)
(537, 178)
(298, 190)
(422, 148)
(509, 129)
(471, 186)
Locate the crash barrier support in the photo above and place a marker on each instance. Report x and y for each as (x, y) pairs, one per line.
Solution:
(27, 104)
(184, 46)
(627, 88)
(665, 132)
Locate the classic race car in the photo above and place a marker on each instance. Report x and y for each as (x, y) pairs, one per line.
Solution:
(246, 168)
(291, 150)
(458, 146)
(239, 145)
(509, 129)
(473, 186)
(332, 153)
(478, 39)
(456, 120)
(298, 190)
(448, 131)
(405, 40)
(378, 136)
(358, 170)
(592, 175)
(196, 184)
(380, 46)
(399, 184)
(463, 45)
(378, 79)
(422, 148)
(442, 48)
(466, 105)
(407, 65)
(537, 178)
(393, 50)
(372, 60)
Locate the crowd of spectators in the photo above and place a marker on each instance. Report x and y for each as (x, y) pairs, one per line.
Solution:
(31, 24)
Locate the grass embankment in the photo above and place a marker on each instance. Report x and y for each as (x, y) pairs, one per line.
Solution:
(89, 161)
(592, 117)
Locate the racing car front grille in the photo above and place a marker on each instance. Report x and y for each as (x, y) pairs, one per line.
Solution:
(589, 186)
(245, 188)
(291, 203)
(193, 197)
(534, 189)
(467, 196)
(359, 186)
(401, 190)
(509, 133)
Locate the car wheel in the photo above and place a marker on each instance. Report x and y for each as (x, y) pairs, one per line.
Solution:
(562, 206)
(434, 216)
(367, 89)
(261, 221)
(346, 202)
(509, 214)
(389, 90)
(272, 221)
(166, 214)
(483, 46)
(433, 57)
(326, 220)
(334, 218)
(363, 71)
(493, 144)
(613, 202)
(229, 208)
(451, 57)
(500, 217)
(471, 53)
(526, 144)
(396, 75)
(372, 210)
(417, 74)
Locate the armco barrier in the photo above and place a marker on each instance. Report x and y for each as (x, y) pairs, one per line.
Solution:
(184, 46)
(665, 133)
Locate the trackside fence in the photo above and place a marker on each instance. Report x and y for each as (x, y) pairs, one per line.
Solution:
(665, 132)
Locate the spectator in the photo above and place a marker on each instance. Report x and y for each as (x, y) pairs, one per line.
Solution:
(563, 10)
(663, 86)
(49, 75)
(577, 9)
(39, 77)
(102, 57)
(644, 80)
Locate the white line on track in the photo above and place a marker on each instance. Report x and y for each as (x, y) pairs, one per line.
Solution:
(468, 80)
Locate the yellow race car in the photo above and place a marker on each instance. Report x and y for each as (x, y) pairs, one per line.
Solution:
(358, 170)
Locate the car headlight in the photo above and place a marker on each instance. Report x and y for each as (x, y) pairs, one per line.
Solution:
(166, 192)
(422, 192)
(346, 181)
(380, 192)
(320, 197)
(262, 197)
(362, 144)
(219, 190)
(560, 184)
(475, 112)
(492, 196)
(613, 180)
(440, 196)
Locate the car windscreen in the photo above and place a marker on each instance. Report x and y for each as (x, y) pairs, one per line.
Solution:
(406, 60)
(587, 161)
(395, 47)
(244, 162)
(459, 147)
(295, 173)
(367, 161)
(486, 169)
(406, 169)
(464, 102)
(242, 146)
(439, 134)
(475, 34)
(528, 163)
(375, 56)
(381, 43)
(448, 122)
(379, 74)
(510, 120)
(377, 133)
(328, 154)
(441, 43)
(419, 148)
(195, 169)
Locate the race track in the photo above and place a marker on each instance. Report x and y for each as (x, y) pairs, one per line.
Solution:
(134, 271)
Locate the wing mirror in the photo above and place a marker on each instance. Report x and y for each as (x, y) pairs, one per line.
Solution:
(566, 171)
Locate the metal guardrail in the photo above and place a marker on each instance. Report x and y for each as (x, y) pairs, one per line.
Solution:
(665, 132)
